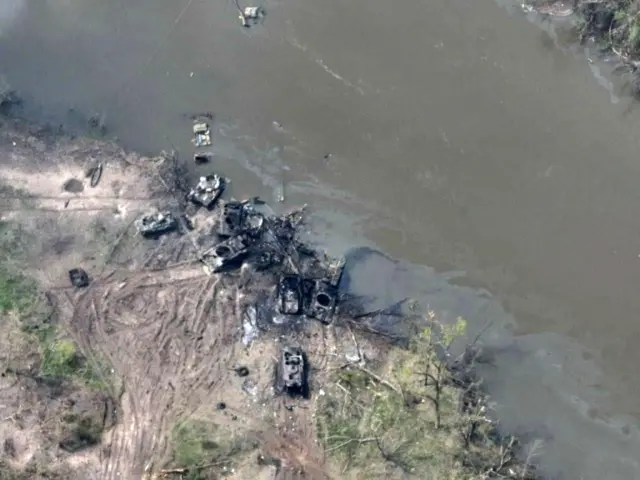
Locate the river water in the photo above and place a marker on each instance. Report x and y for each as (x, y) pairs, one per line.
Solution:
(448, 133)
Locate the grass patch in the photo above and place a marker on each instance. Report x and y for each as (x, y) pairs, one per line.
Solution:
(412, 419)
(61, 359)
(205, 449)
(21, 298)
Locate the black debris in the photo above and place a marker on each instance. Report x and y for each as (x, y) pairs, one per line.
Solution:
(290, 289)
(201, 158)
(221, 406)
(78, 277)
(96, 175)
(242, 371)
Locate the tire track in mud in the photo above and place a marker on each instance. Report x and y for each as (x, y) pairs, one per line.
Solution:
(171, 351)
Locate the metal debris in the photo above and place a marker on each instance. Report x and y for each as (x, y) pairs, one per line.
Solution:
(96, 175)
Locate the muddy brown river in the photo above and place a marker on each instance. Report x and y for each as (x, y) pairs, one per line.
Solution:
(447, 133)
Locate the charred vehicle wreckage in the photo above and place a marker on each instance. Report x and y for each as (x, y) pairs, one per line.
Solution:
(246, 236)
(156, 223)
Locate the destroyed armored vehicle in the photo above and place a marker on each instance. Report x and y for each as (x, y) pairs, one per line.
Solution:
(323, 301)
(290, 295)
(78, 278)
(324, 294)
(227, 255)
(232, 219)
(201, 134)
(239, 217)
(292, 372)
(264, 257)
(156, 223)
(207, 191)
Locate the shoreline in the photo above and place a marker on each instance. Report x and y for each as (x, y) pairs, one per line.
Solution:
(35, 200)
(610, 25)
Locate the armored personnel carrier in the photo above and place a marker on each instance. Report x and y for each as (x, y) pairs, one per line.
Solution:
(292, 372)
(156, 223)
(207, 191)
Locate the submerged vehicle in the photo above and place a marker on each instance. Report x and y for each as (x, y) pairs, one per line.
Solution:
(207, 191)
(201, 134)
(201, 158)
(292, 371)
(78, 278)
(156, 223)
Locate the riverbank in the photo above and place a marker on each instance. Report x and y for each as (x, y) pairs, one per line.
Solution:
(96, 366)
(613, 25)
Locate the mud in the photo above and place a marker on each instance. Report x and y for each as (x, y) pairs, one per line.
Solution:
(169, 332)
(482, 149)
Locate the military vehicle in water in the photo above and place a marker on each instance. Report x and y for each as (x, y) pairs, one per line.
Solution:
(207, 191)
(201, 134)
(156, 223)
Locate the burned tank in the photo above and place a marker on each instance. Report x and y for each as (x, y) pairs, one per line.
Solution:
(156, 223)
(207, 191)
(323, 296)
(226, 255)
(238, 218)
(290, 295)
(292, 372)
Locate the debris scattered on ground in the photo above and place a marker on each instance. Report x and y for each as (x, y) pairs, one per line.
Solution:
(96, 175)
(221, 406)
(78, 277)
(201, 134)
(156, 223)
(250, 387)
(207, 191)
(73, 185)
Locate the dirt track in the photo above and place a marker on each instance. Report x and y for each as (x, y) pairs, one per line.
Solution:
(171, 334)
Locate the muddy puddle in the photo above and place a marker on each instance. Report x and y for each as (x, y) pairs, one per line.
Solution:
(458, 137)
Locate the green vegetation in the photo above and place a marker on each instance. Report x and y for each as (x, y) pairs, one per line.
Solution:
(413, 419)
(199, 446)
(21, 298)
(614, 24)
